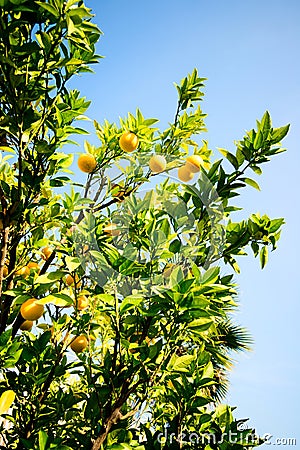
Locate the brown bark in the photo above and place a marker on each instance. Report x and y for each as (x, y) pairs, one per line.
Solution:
(114, 417)
(116, 414)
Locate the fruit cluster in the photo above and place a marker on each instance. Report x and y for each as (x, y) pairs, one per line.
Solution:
(33, 309)
(129, 142)
(192, 166)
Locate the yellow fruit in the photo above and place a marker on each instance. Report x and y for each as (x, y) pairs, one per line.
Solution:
(184, 174)
(111, 229)
(31, 310)
(193, 163)
(128, 141)
(82, 302)
(79, 344)
(5, 271)
(33, 265)
(24, 272)
(87, 163)
(46, 252)
(149, 341)
(70, 280)
(27, 325)
(157, 163)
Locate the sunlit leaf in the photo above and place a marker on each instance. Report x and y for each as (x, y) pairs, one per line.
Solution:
(6, 400)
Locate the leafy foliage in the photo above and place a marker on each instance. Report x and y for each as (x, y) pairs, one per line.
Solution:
(137, 273)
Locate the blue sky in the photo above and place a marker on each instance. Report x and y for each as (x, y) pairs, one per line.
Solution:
(249, 51)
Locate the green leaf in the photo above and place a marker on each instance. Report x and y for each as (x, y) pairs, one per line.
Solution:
(6, 400)
(210, 276)
(180, 363)
(208, 371)
(240, 156)
(256, 169)
(72, 263)
(58, 299)
(49, 8)
(50, 277)
(224, 415)
(231, 158)
(61, 447)
(258, 141)
(120, 447)
(176, 276)
(43, 438)
(130, 302)
(265, 123)
(275, 225)
(44, 40)
(279, 133)
(213, 169)
(263, 256)
(175, 245)
(106, 298)
(251, 182)
(255, 248)
(201, 324)
(234, 265)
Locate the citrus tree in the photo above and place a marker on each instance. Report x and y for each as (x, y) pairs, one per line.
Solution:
(116, 295)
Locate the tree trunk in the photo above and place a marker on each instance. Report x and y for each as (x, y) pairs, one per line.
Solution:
(110, 421)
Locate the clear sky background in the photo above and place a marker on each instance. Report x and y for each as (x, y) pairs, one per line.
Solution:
(249, 51)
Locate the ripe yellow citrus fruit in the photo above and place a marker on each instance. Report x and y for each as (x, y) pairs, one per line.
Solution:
(46, 252)
(194, 162)
(82, 302)
(157, 163)
(5, 271)
(27, 325)
(70, 280)
(31, 310)
(129, 141)
(184, 174)
(24, 272)
(79, 344)
(33, 265)
(111, 229)
(87, 163)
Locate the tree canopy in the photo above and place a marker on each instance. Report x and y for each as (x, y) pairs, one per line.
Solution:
(117, 294)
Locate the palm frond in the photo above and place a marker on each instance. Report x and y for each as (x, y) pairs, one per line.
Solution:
(233, 337)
